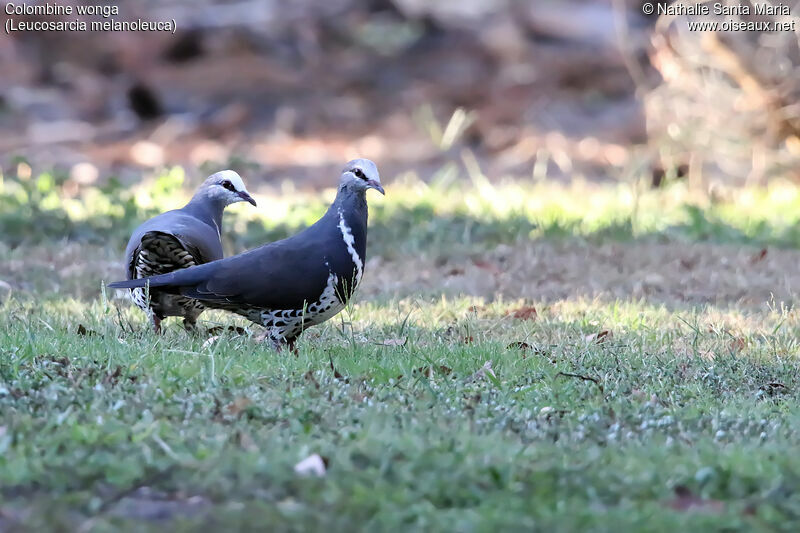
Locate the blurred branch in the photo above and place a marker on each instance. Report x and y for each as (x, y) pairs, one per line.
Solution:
(729, 62)
(627, 49)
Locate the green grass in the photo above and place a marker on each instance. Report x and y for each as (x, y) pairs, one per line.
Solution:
(682, 417)
(447, 214)
(413, 440)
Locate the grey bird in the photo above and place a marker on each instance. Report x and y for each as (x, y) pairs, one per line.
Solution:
(180, 239)
(288, 285)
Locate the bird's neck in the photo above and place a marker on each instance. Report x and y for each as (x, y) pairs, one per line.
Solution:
(349, 213)
(209, 210)
(353, 204)
(350, 207)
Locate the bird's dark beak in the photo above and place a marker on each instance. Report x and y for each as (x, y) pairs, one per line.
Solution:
(246, 197)
(372, 184)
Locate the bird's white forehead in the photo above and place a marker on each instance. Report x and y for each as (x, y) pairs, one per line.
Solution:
(369, 168)
(233, 177)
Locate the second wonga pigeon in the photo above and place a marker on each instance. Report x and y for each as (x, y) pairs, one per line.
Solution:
(179, 239)
(289, 285)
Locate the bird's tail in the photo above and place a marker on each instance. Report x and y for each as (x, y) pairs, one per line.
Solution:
(170, 282)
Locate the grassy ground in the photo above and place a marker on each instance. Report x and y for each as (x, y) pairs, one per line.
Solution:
(517, 358)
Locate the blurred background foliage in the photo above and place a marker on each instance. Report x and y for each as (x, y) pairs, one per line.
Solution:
(491, 119)
(447, 215)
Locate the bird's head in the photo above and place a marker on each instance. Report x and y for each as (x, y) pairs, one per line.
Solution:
(226, 186)
(360, 175)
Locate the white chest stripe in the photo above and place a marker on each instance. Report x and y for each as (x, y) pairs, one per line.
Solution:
(349, 241)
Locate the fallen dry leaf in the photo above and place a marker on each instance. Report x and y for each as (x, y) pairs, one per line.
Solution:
(393, 342)
(600, 337)
(313, 465)
(685, 500)
(760, 256)
(239, 405)
(428, 370)
(527, 312)
(738, 344)
(486, 265)
(481, 373)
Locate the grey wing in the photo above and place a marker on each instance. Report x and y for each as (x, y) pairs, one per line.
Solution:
(197, 238)
(161, 253)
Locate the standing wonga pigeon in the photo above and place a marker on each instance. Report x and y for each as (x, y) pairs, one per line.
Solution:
(289, 285)
(180, 239)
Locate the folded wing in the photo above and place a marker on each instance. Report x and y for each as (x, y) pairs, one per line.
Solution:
(280, 275)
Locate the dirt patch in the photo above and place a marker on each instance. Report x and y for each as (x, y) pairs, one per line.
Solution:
(70, 269)
(674, 274)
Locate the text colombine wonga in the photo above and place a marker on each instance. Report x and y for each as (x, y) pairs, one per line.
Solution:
(105, 11)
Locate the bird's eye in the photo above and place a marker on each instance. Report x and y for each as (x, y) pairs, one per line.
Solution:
(228, 185)
(359, 173)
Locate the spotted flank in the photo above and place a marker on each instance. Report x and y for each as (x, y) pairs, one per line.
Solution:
(161, 253)
(289, 323)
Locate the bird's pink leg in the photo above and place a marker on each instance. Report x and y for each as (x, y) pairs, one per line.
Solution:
(292, 348)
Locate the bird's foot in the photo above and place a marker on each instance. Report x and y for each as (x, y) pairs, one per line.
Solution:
(278, 344)
(292, 347)
(190, 325)
(264, 336)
